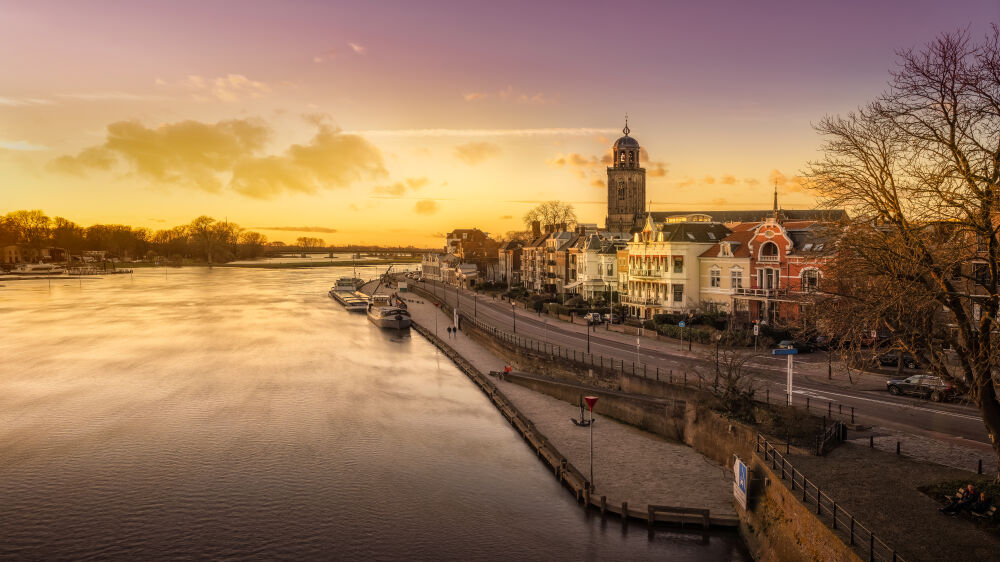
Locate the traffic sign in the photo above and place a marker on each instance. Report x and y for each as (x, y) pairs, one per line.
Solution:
(784, 352)
(681, 324)
(590, 400)
(756, 329)
(740, 482)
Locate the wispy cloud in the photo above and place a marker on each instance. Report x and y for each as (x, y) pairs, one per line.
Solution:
(108, 96)
(475, 152)
(398, 188)
(329, 54)
(323, 229)
(23, 101)
(425, 207)
(358, 48)
(509, 94)
(582, 131)
(21, 145)
(228, 88)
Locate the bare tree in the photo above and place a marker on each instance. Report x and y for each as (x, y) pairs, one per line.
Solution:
(919, 172)
(551, 213)
(727, 374)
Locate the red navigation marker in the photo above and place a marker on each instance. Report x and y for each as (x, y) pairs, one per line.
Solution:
(590, 400)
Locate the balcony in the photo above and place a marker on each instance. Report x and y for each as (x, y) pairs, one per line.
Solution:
(759, 293)
(646, 273)
(645, 301)
(769, 259)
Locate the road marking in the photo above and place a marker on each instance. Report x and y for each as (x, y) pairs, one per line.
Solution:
(812, 394)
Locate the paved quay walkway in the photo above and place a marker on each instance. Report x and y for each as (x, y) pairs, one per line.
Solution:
(629, 464)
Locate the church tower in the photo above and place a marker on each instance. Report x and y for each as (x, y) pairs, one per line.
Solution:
(626, 186)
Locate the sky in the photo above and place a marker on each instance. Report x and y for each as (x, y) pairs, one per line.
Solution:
(393, 122)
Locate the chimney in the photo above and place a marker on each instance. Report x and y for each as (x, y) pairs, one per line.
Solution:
(536, 229)
(562, 227)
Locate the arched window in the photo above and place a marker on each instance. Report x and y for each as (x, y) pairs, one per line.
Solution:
(769, 252)
(621, 157)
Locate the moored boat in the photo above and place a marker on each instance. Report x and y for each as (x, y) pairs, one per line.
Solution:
(38, 269)
(390, 317)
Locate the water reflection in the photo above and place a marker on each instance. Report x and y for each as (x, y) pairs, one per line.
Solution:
(242, 413)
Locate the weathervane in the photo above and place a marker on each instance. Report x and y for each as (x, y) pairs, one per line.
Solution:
(626, 130)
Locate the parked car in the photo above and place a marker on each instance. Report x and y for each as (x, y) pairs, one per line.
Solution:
(891, 359)
(803, 347)
(592, 317)
(613, 318)
(826, 343)
(925, 386)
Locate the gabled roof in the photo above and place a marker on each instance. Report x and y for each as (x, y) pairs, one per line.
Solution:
(740, 242)
(694, 232)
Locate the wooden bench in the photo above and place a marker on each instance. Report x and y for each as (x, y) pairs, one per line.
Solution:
(654, 509)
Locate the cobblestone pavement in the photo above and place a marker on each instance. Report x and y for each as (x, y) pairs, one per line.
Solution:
(964, 455)
(630, 464)
(881, 490)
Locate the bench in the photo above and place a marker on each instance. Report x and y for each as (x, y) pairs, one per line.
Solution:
(988, 514)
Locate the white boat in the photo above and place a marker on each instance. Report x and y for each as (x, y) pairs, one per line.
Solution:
(390, 317)
(38, 269)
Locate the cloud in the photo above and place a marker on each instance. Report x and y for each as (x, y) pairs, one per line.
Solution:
(93, 158)
(478, 132)
(728, 179)
(426, 207)
(23, 101)
(475, 152)
(506, 217)
(597, 182)
(656, 169)
(329, 54)
(157, 220)
(718, 202)
(228, 88)
(21, 145)
(108, 96)
(322, 229)
(330, 160)
(398, 188)
(202, 155)
(708, 180)
(794, 184)
(473, 96)
(509, 94)
(357, 48)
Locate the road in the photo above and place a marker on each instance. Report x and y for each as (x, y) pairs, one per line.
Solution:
(872, 404)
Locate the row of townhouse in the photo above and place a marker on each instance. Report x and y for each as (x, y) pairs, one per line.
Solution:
(757, 270)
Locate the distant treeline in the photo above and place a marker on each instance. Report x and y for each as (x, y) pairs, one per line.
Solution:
(204, 238)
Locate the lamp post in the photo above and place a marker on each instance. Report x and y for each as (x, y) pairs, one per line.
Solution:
(513, 315)
(718, 339)
(591, 400)
(589, 324)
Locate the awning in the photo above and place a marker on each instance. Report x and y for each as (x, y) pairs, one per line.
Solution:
(572, 285)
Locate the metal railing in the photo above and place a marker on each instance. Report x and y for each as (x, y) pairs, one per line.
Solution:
(827, 409)
(858, 536)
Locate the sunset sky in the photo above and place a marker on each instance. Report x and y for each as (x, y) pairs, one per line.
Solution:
(393, 122)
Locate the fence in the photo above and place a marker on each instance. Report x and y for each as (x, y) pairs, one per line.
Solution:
(827, 409)
(858, 536)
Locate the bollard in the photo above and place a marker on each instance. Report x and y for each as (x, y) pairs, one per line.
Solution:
(657, 373)
(671, 376)
(897, 447)
(604, 504)
(767, 395)
(980, 471)
(852, 414)
(871, 441)
(807, 403)
(624, 512)
(829, 409)
(852, 530)
(819, 501)
(835, 515)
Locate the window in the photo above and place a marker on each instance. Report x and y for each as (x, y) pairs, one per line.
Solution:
(678, 264)
(810, 280)
(769, 252)
(621, 157)
(678, 293)
(715, 277)
(736, 278)
(611, 269)
(767, 278)
(981, 273)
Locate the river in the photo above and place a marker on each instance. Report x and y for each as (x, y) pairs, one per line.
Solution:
(241, 413)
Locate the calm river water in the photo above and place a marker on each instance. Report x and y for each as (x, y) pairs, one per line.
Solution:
(235, 413)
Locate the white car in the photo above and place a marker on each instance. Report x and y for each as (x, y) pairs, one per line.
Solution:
(593, 317)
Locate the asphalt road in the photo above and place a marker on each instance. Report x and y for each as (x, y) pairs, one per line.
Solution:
(873, 406)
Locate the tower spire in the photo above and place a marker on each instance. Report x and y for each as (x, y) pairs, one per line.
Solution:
(775, 200)
(626, 130)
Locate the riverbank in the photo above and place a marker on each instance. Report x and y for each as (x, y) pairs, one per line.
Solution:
(631, 466)
(333, 263)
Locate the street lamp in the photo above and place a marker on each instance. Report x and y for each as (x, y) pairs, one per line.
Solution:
(591, 400)
(718, 339)
(513, 315)
(589, 324)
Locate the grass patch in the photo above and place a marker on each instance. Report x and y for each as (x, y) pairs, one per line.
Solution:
(939, 490)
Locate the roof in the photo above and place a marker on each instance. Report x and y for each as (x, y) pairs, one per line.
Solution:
(740, 241)
(626, 142)
(695, 232)
(758, 216)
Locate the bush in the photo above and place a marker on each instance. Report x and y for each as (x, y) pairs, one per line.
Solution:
(556, 308)
(649, 325)
(699, 334)
(576, 302)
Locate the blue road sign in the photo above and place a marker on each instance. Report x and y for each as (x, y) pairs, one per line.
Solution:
(785, 352)
(681, 324)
